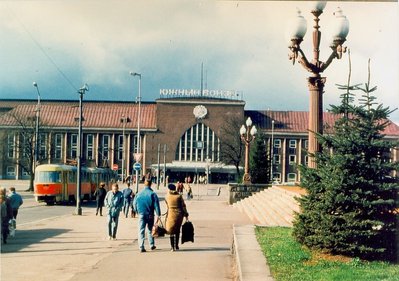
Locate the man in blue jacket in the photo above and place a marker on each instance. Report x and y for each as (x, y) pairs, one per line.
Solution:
(145, 204)
(15, 200)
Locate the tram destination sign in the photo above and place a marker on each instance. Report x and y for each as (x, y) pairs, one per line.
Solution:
(196, 93)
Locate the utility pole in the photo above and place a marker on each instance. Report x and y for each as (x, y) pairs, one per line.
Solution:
(78, 210)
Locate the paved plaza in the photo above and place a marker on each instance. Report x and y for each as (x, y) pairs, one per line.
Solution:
(71, 247)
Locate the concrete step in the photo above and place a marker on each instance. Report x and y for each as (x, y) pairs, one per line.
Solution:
(284, 205)
(250, 210)
(272, 207)
(267, 215)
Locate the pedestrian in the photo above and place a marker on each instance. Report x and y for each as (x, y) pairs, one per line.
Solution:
(128, 195)
(15, 200)
(100, 194)
(174, 216)
(189, 191)
(179, 187)
(6, 214)
(145, 203)
(114, 202)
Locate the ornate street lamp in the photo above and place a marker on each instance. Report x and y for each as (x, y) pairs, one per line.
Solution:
(247, 133)
(315, 67)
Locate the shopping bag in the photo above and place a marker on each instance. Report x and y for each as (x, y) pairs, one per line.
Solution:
(187, 232)
(158, 229)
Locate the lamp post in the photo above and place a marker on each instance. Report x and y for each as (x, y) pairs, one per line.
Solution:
(124, 120)
(81, 92)
(271, 153)
(247, 133)
(138, 158)
(36, 158)
(315, 67)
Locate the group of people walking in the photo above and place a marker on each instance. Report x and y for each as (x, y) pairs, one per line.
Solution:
(146, 205)
(9, 210)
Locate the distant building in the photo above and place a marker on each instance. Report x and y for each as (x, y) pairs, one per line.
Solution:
(180, 136)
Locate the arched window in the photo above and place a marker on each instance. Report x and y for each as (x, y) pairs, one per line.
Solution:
(197, 144)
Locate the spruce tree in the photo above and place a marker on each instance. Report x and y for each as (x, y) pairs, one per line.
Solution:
(259, 160)
(351, 205)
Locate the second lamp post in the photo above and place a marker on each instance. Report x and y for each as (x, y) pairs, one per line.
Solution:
(247, 133)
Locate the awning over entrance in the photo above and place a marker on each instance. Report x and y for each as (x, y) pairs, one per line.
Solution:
(197, 167)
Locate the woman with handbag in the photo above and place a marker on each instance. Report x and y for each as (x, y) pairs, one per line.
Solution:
(176, 211)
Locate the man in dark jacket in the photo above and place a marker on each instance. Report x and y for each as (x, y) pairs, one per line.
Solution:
(100, 196)
(145, 203)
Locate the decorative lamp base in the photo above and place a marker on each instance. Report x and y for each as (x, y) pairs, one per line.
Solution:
(246, 179)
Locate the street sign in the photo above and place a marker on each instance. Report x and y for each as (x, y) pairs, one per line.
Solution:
(137, 156)
(137, 166)
(115, 167)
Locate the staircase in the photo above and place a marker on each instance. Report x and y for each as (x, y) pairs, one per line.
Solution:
(274, 206)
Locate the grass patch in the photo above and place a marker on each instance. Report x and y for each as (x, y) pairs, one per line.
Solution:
(289, 261)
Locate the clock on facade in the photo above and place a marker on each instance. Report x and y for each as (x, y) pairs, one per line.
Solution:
(200, 112)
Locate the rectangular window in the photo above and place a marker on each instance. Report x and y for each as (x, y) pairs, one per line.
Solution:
(306, 160)
(277, 143)
(10, 146)
(276, 158)
(42, 146)
(24, 145)
(292, 159)
(120, 147)
(306, 144)
(74, 146)
(11, 171)
(25, 172)
(291, 177)
(89, 147)
(105, 147)
(292, 143)
(277, 177)
(58, 146)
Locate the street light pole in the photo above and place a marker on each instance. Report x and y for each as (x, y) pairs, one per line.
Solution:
(271, 153)
(247, 133)
(124, 120)
(78, 210)
(36, 158)
(138, 129)
(315, 67)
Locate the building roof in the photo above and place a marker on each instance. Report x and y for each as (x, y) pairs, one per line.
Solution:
(297, 121)
(96, 114)
(108, 114)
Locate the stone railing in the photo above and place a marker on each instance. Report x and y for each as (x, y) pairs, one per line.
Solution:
(241, 191)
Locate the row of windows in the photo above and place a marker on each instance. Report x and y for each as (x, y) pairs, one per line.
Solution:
(72, 147)
(291, 159)
(291, 143)
(291, 177)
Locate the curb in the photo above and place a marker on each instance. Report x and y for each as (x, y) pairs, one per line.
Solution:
(250, 262)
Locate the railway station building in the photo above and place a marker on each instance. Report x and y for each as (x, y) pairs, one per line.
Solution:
(181, 135)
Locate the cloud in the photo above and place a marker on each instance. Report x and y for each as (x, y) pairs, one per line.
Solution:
(241, 44)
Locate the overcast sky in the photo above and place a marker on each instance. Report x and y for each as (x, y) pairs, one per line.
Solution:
(63, 44)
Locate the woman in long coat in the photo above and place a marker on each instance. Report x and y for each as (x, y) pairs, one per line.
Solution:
(176, 211)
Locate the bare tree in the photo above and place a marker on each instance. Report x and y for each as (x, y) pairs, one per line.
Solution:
(231, 149)
(24, 132)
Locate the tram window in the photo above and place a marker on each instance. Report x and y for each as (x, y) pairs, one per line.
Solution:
(48, 177)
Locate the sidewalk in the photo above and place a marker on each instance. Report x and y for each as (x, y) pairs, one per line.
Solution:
(74, 247)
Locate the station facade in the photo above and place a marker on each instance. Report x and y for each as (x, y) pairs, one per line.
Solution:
(180, 136)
